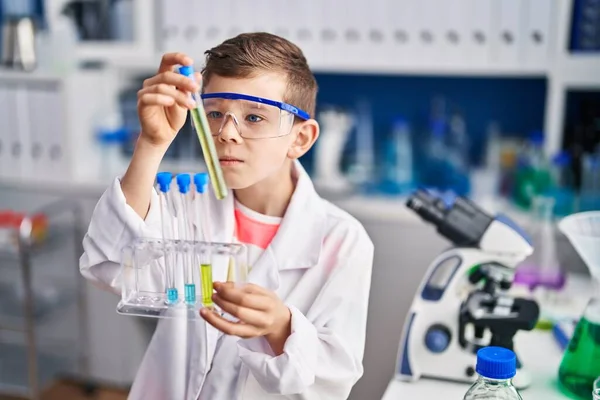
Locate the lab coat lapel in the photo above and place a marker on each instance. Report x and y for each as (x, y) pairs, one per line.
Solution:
(298, 242)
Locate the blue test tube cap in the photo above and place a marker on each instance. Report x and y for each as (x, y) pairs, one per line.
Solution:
(201, 180)
(164, 181)
(183, 181)
(186, 70)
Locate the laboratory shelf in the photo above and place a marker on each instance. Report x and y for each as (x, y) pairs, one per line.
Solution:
(56, 237)
(48, 299)
(42, 302)
(14, 369)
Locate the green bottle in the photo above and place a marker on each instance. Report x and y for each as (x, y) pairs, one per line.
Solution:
(533, 176)
(580, 365)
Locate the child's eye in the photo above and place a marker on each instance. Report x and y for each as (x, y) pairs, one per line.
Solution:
(214, 114)
(253, 118)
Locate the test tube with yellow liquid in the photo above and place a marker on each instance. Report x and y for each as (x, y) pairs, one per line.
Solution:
(207, 144)
(203, 227)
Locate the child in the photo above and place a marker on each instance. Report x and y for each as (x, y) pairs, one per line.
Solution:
(303, 315)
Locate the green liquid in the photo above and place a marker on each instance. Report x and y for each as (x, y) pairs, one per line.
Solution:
(530, 182)
(580, 365)
(209, 152)
(207, 284)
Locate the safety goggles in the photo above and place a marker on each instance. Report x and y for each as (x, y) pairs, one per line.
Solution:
(254, 117)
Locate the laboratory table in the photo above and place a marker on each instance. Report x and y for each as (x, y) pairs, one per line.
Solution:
(539, 352)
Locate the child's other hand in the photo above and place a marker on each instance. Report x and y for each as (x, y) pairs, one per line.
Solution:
(164, 100)
(259, 310)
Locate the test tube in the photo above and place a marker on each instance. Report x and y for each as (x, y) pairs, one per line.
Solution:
(185, 233)
(207, 144)
(163, 180)
(203, 224)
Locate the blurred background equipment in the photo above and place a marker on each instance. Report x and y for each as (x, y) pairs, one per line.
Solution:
(498, 101)
(43, 316)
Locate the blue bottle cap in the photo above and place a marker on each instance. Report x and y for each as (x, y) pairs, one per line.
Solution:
(201, 180)
(496, 363)
(537, 138)
(186, 70)
(562, 159)
(438, 128)
(183, 181)
(164, 181)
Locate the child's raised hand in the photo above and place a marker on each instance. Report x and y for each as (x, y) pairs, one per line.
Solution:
(164, 100)
(259, 310)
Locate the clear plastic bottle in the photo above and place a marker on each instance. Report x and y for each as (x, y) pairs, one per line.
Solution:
(496, 367)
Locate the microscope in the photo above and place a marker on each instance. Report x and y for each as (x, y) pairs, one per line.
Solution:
(462, 304)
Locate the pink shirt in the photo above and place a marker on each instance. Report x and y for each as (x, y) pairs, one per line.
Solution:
(255, 230)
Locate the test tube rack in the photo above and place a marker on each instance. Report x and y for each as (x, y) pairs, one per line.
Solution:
(147, 262)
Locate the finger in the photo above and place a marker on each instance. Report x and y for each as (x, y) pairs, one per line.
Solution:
(156, 99)
(174, 79)
(228, 327)
(241, 298)
(252, 288)
(249, 316)
(198, 78)
(169, 60)
(181, 98)
(248, 287)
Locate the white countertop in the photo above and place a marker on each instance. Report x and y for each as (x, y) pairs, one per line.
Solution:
(539, 352)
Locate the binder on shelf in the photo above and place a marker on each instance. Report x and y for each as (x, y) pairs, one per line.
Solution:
(404, 47)
(478, 40)
(428, 21)
(47, 130)
(8, 126)
(507, 36)
(353, 46)
(19, 126)
(304, 22)
(174, 21)
(330, 34)
(452, 32)
(585, 32)
(538, 19)
(214, 27)
(378, 34)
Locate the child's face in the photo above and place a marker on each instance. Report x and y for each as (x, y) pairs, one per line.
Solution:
(247, 161)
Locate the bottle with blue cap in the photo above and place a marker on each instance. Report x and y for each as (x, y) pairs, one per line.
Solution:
(496, 366)
(562, 188)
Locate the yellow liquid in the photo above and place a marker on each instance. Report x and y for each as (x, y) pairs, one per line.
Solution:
(209, 152)
(207, 284)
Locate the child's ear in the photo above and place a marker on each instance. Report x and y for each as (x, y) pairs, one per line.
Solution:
(308, 132)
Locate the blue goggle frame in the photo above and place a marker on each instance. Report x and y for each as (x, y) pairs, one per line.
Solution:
(279, 104)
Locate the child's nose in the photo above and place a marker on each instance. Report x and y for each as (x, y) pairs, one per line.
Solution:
(230, 130)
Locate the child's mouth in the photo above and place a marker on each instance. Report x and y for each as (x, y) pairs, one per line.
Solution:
(229, 161)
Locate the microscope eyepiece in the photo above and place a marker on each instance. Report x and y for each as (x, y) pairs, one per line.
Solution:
(426, 206)
(455, 217)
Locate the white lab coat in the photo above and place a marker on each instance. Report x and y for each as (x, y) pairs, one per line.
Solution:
(319, 263)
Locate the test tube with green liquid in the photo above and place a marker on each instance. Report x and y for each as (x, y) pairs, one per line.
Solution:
(207, 144)
(203, 227)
